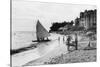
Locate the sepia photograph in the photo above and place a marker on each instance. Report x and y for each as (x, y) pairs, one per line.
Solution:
(47, 33)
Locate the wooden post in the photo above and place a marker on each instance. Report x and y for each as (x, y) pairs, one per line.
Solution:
(76, 42)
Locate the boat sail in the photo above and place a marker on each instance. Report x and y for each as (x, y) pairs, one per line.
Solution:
(41, 33)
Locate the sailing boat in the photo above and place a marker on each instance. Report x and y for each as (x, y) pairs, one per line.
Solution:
(41, 33)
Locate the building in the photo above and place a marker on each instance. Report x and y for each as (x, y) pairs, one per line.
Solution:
(88, 19)
(77, 20)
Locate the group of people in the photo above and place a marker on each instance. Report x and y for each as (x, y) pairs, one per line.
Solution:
(69, 43)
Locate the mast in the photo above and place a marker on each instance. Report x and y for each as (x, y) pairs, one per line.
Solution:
(41, 32)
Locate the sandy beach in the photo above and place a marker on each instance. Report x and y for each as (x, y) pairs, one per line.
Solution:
(54, 52)
(72, 56)
(49, 49)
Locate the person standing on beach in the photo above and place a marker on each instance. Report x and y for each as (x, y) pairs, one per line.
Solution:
(63, 39)
(68, 42)
(59, 39)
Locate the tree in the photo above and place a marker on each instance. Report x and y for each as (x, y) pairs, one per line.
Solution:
(77, 21)
(72, 22)
(55, 26)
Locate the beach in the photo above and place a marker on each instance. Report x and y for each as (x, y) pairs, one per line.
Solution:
(54, 52)
(43, 49)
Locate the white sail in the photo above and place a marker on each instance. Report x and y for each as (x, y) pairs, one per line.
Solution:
(41, 32)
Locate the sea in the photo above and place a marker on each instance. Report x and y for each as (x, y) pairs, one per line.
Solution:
(22, 39)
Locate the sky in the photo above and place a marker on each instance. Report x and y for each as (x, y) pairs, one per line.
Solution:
(25, 13)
